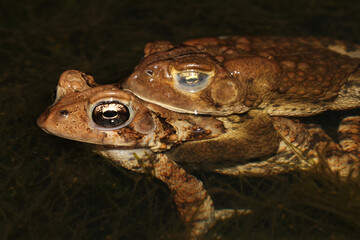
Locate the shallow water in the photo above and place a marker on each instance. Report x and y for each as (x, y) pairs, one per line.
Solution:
(53, 188)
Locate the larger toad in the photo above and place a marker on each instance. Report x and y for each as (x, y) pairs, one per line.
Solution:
(286, 76)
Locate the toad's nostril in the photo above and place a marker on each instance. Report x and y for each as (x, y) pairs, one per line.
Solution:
(64, 113)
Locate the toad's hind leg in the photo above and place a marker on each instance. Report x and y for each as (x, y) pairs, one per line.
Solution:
(345, 158)
(305, 146)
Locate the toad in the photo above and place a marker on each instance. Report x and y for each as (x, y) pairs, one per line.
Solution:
(147, 138)
(285, 76)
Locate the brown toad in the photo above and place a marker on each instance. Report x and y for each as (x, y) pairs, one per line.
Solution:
(147, 138)
(286, 76)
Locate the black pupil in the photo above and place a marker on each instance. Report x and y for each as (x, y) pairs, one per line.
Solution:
(110, 114)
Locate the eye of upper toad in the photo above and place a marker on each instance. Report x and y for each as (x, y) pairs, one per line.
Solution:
(191, 80)
(111, 114)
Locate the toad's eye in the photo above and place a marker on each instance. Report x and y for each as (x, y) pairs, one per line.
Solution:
(191, 81)
(111, 115)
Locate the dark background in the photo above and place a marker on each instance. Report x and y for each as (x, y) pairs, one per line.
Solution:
(52, 188)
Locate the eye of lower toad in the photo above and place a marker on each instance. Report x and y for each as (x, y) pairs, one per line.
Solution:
(191, 80)
(111, 114)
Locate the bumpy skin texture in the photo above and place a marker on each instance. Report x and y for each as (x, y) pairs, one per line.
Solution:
(286, 76)
(166, 144)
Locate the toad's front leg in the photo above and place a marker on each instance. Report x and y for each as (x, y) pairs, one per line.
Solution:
(192, 200)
